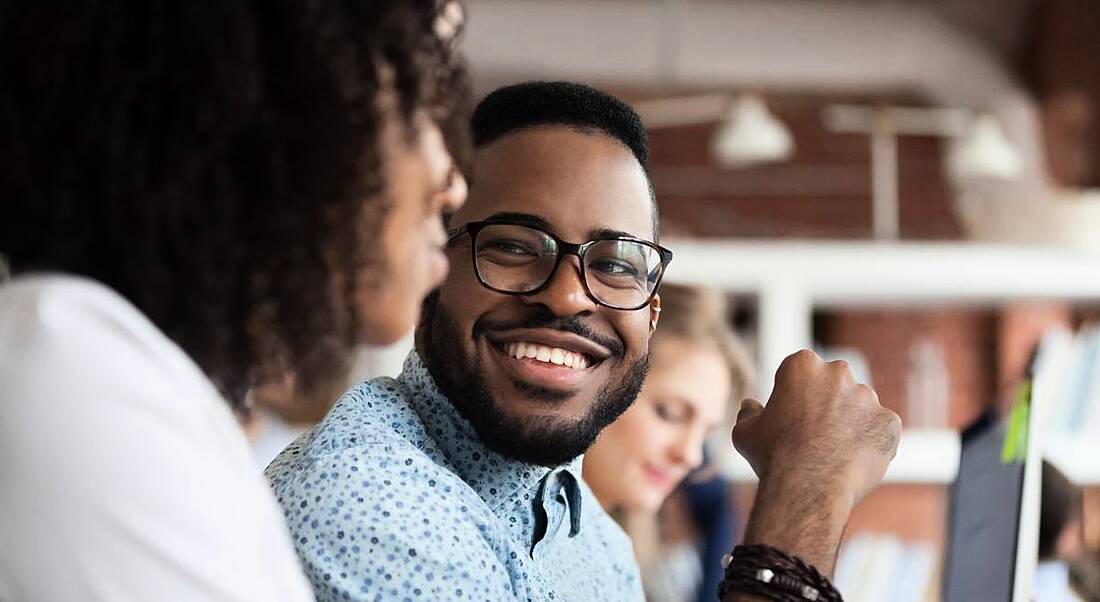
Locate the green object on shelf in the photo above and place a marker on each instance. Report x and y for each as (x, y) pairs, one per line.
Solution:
(1015, 447)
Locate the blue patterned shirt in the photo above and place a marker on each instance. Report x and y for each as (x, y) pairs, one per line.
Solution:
(393, 497)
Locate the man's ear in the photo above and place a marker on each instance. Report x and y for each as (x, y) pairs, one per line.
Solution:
(654, 313)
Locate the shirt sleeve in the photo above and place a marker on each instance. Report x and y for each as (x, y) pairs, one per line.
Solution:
(123, 476)
(373, 522)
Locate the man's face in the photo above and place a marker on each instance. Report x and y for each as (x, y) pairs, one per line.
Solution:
(578, 186)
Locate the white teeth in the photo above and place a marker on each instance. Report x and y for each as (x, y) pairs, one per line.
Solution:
(551, 355)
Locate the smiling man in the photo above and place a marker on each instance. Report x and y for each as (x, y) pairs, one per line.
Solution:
(461, 479)
(540, 335)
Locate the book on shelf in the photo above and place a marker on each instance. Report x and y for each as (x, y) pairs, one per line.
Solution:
(877, 567)
(1070, 363)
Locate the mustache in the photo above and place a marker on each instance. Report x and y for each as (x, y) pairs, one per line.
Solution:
(547, 320)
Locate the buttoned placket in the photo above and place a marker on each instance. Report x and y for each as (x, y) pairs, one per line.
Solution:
(559, 497)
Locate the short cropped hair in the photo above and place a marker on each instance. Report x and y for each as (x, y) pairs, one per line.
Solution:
(584, 108)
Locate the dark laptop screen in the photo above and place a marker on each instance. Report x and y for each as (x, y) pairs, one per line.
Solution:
(984, 522)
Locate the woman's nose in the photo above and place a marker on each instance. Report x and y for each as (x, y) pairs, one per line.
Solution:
(687, 449)
(454, 195)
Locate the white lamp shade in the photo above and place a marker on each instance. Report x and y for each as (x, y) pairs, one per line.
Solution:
(983, 151)
(751, 135)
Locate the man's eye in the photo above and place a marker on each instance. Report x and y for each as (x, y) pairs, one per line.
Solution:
(509, 247)
(614, 267)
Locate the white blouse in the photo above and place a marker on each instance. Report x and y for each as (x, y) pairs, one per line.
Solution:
(123, 473)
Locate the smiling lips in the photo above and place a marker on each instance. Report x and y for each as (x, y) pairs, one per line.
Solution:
(547, 354)
(657, 477)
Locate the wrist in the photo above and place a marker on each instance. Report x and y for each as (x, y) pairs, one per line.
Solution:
(777, 575)
(828, 485)
(802, 514)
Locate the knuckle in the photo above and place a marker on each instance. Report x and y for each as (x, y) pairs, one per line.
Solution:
(894, 422)
(883, 432)
(866, 392)
(802, 356)
(799, 359)
(891, 429)
(805, 354)
(839, 373)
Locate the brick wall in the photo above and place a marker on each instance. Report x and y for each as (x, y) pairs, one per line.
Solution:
(823, 191)
(967, 337)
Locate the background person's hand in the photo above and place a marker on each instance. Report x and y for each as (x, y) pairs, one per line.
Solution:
(821, 430)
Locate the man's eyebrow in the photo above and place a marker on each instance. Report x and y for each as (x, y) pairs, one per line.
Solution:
(524, 219)
(611, 233)
(528, 219)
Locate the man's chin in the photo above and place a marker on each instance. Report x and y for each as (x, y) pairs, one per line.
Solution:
(535, 437)
(548, 425)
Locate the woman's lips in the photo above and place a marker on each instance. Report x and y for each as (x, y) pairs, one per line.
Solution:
(657, 477)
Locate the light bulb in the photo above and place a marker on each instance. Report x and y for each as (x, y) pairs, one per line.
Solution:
(751, 135)
(983, 151)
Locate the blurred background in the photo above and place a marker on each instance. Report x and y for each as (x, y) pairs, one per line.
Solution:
(908, 185)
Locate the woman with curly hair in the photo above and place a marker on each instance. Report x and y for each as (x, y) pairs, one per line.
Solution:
(193, 193)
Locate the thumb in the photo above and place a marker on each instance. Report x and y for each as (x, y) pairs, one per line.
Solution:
(750, 408)
(744, 439)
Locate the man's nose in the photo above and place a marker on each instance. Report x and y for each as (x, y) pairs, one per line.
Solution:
(565, 294)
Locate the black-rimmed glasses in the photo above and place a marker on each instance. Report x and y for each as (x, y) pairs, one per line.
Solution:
(516, 259)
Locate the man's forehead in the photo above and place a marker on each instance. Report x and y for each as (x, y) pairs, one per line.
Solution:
(535, 220)
(577, 183)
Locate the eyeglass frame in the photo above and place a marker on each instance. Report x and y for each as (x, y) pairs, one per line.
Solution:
(564, 249)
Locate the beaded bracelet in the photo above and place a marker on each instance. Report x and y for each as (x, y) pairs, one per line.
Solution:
(773, 574)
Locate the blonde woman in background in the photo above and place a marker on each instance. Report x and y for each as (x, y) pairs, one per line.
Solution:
(698, 371)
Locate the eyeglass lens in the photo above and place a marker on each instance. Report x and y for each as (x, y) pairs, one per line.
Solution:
(518, 259)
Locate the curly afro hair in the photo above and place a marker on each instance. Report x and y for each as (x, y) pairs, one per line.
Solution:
(207, 160)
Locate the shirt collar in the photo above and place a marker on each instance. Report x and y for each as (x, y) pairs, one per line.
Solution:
(496, 478)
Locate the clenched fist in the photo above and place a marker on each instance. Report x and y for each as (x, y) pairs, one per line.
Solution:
(822, 443)
(821, 428)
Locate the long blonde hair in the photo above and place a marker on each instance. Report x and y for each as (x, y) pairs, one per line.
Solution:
(699, 316)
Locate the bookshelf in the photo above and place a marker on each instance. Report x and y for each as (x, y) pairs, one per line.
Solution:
(931, 457)
(924, 457)
(792, 279)
(1078, 457)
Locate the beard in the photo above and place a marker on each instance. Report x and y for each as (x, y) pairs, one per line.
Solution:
(541, 440)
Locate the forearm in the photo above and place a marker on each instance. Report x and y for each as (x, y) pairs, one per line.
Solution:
(801, 518)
